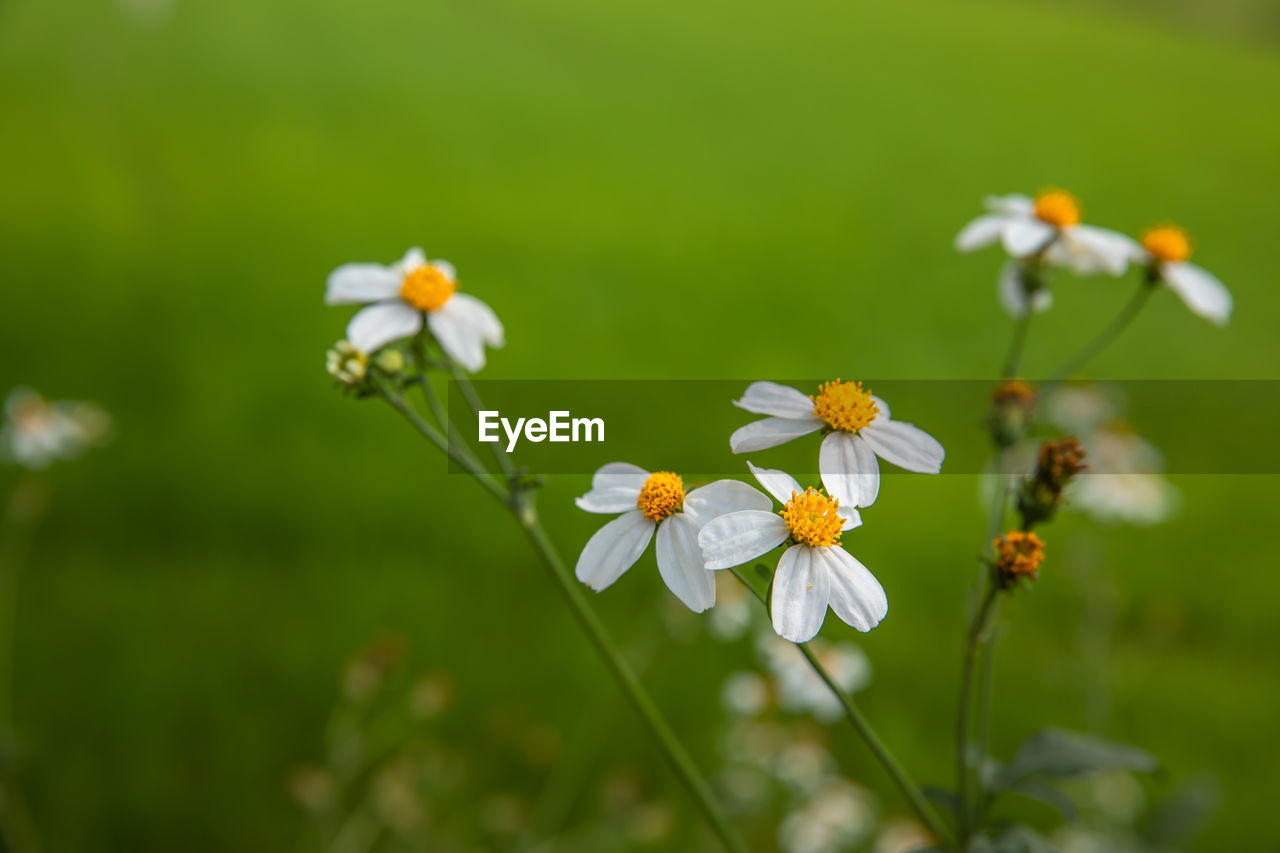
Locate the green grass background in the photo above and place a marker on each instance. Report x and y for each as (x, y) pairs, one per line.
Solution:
(642, 190)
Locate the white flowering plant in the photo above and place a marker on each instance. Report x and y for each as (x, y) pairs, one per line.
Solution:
(785, 543)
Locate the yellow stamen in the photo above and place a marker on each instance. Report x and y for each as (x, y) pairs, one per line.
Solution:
(662, 494)
(1058, 208)
(1019, 554)
(1167, 243)
(813, 518)
(844, 405)
(427, 288)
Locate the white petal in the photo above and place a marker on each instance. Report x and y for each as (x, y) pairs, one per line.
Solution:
(771, 432)
(479, 316)
(446, 269)
(740, 537)
(849, 469)
(1012, 293)
(905, 445)
(358, 283)
(412, 259)
(1011, 204)
(721, 498)
(1087, 249)
(614, 549)
(617, 474)
(680, 563)
(608, 500)
(801, 589)
(1200, 290)
(852, 518)
(457, 337)
(1024, 237)
(981, 232)
(780, 484)
(377, 325)
(770, 398)
(856, 595)
(882, 408)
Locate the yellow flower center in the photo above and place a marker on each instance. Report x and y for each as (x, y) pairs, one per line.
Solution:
(1019, 554)
(813, 518)
(662, 494)
(844, 405)
(426, 288)
(1167, 243)
(1058, 208)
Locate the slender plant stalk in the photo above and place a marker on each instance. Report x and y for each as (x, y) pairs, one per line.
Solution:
(973, 642)
(900, 778)
(526, 515)
(1107, 336)
(1017, 345)
(987, 654)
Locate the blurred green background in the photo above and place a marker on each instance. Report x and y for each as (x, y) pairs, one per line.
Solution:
(664, 189)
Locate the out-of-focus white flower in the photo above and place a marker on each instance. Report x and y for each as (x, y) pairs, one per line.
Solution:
(744, 694)
(1019, 295)
(803, 765)
(1125, 482)
(399, 297)
(1118, 795)
(1050, 226)
(839, 816)
(800, 690)
(733, 613)
(902, 836)
(37, 432)
(813, 573)
(657, 502)
(347, 363)
(1165, 250)
(860, 430)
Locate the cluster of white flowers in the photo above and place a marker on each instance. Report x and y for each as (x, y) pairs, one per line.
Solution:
(1047, 231)
(729, 523)
(37, 432)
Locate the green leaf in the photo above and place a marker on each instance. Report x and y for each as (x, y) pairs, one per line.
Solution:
(1051, 797)
(1183, 814)
(1058, 753)
(943, 797)
(1012, 839)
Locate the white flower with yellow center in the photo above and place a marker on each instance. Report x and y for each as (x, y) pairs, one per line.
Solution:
(1049, 224)
(814, 572)
(657, 502)
(1165, 250)
(399, 298)
(37, 432)
(860, 431)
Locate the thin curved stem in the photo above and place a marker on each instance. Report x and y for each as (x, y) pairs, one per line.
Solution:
(527, 517)
(1105, 338)
(973, 642)
(900, 778)
(680, 759)
(1017, 345)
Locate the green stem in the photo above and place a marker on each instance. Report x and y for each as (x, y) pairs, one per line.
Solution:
(973, 641)
(473, 400)
(1105, 338)
(640, 699)
(527, 517)
(1017, 345)
(900, 778)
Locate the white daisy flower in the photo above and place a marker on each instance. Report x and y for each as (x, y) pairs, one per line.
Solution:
(1165, 250)
(1049, 224)
(400, 297)
(37, 433)
(657, 502)
(1019, 295)
(859, 431)
(813, 572)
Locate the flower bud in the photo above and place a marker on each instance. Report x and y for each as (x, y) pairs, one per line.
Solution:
(1012, 402)
(347, 364)
(1041, 494)
(390, 361)
(1018, 555)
